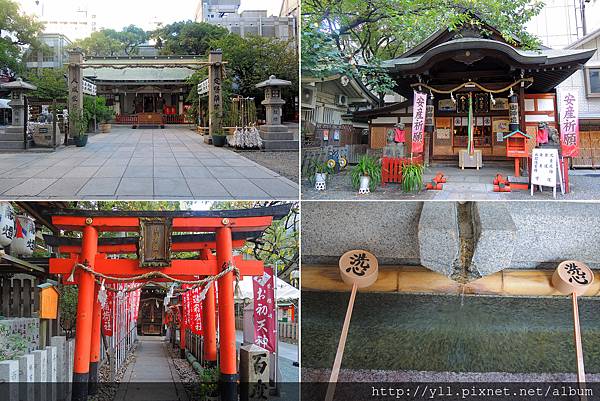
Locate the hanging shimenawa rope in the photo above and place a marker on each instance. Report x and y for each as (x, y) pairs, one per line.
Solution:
(465, 84)
(155, 274)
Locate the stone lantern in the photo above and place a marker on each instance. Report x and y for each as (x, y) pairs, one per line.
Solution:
(17, 103)
(274, 134)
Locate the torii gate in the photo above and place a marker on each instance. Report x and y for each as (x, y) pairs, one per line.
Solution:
(226, 230)
(215, 66)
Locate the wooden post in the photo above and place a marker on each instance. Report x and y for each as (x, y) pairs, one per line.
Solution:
(215, 92)
(95, 344)
(210, 327)
(228, 357)
(85, 309)
(182, 334)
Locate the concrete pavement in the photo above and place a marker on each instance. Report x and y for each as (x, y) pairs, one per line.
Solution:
(152, 376)
(172, 163)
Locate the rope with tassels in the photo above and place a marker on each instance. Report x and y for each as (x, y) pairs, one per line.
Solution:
(155, 274)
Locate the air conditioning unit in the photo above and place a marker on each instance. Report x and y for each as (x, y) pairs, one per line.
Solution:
(342, 100)
(308, 97)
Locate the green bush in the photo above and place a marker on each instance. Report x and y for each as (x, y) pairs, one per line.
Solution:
(412, 177)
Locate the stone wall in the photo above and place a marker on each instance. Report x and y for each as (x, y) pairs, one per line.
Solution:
(18, 336)
(516, 235)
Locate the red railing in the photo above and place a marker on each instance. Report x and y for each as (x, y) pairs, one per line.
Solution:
(391, 168)
(167, 119)
(126, 119)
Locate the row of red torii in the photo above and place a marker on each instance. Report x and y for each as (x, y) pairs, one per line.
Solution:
(87, 263)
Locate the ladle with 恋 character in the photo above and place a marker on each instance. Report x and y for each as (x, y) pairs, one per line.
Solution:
(574, 278)
(358, 268)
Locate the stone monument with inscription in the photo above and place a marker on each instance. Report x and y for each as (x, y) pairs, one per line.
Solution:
(275, 135)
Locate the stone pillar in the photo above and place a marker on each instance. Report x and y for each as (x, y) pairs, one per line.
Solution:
(26, 377)
(9, 377)
(215, 91)
(75, 101)
(40, 373)
(61, 356)
(51, 358)
(254, 373)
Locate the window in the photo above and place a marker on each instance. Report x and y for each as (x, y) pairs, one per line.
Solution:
(592, 77)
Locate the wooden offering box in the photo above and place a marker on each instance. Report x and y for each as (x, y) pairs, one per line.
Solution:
(149, 119)
(48, 301)
(516, 144)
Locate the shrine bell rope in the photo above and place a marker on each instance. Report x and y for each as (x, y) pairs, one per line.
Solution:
(156, 274)
(465, 84)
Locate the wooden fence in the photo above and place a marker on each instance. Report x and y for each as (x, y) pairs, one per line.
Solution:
(20, 297)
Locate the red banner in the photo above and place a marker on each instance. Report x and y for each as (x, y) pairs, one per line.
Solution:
(265, 319)
(418, 121)
(192, 310)
(107, 313)
(569, 123)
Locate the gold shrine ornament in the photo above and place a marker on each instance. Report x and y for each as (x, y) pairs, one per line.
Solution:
(359, 267)
(572, 276)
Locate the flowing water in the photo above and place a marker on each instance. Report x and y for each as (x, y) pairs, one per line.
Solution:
(460, 333)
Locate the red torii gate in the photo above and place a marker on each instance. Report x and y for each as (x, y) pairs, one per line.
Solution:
(224, 226)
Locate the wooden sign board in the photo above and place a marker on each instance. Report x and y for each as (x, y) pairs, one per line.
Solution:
(154, 247)
(48, 301)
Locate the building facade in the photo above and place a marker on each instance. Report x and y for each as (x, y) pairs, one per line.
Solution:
(56, 56)
(224, 13)
(74, 18)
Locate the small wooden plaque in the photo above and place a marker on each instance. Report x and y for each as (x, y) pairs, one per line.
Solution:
(154, 248)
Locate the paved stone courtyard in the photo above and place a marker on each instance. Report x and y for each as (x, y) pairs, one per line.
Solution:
(468, 185)
(170, 163)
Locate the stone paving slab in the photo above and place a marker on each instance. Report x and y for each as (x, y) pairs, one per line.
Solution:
(143, 164)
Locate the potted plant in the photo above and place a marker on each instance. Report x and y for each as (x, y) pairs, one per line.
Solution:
(318, 174)
(104, 114)
(219, 137)
(366, 175)
(209, 389)
(412, 177)
(80, 125)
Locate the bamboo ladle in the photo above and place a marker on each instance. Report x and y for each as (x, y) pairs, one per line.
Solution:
(574, 278)
(358, 268)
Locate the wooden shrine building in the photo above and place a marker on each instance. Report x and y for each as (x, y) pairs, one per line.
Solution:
(136, 84)
(474, 63)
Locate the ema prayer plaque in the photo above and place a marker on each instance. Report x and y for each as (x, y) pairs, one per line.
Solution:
(154, 248)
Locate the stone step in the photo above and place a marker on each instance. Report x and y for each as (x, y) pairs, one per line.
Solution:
(277, 136)
(11, 144)
(280, 145)
(12, 136)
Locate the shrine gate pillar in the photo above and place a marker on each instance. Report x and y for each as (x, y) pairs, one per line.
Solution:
(209, 319)
(95, 344)
(227, 352)
(75, 101)
(215, 91)
(85, 310)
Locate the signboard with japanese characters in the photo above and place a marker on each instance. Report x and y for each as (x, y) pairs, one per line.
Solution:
(545, 168)
(265, 320)
(418, 121)
(569, 124)
(572, 276)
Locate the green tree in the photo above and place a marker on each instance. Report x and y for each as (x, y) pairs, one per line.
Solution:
(17, 32)
(253, 59)
(131, 37)
(51, 83)
(187, 37)
(101, 43)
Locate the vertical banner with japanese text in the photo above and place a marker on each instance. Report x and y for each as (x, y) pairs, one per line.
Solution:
(418, 121)
(107, 313)
(569, 123)
(192, 310)
(265, 318)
